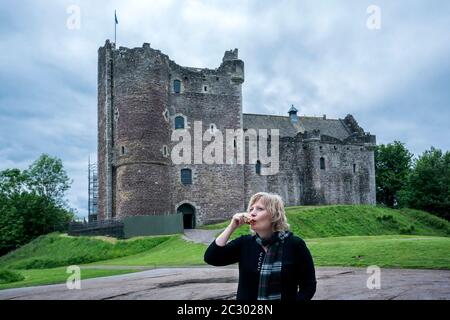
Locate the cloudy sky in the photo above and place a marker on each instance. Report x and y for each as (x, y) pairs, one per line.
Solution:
(321, 57)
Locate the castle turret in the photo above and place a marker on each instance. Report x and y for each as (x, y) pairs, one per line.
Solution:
(135, 149)
(293, 114)
(233, 65)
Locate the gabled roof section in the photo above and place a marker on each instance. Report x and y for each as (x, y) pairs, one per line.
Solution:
(331, 127)
(262, 121)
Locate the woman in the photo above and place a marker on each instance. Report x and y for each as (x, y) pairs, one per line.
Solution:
(273, 263)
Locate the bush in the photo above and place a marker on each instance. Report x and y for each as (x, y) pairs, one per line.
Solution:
(25, 216)
(428, 186)
(407, 229)
(387, 218)
(7, 276)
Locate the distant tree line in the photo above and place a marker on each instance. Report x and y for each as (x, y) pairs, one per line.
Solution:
(32, 202)
(422, 183)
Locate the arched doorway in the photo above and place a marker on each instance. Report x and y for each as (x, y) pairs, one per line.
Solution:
(188, 212)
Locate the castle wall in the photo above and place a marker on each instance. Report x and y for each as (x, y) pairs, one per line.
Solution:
(302, 181)
(215, 98)
(104, 89)
(137, 131)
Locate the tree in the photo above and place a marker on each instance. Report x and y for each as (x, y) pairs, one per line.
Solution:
(32, 202)
(47, 177)
(428, 186)
(12, 181)
(392, 167)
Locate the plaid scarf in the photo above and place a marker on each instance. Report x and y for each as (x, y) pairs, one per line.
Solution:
(270, 275)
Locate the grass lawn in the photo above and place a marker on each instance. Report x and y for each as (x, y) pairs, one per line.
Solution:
(57, 275)
(57, 250)
(173, 252)
(397, 251)
(384, 251)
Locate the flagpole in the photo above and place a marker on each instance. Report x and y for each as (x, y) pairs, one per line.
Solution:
(115, 27)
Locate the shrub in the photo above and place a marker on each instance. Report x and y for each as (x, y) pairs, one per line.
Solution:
(7, 276)
(387, 218)
(407, 229)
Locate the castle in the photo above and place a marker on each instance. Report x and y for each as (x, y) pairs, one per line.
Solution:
(143, 96)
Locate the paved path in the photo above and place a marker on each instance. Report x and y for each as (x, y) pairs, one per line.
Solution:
(221, 283)
(200, 236)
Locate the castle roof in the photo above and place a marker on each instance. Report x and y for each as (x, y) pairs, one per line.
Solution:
(331, 127)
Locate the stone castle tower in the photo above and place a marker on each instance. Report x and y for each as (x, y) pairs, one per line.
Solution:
(143, 96)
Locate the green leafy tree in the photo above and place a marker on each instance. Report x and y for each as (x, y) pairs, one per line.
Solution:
(392, 167)
(47, 177)
(32, 202)
(12, 181)
(428, 186)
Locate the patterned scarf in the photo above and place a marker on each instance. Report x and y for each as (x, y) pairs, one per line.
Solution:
(270, 275)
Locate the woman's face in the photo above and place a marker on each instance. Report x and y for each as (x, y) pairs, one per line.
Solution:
(261, 219)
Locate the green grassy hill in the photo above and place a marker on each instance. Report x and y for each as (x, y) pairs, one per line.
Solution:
(55, 250)
(355, 220)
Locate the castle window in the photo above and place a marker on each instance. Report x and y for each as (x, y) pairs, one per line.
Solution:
(176, 86)
(205, 88)
(217, 78)
(335, 148)
(322, 163)
(123, 150)
(186, 176)
(258, 167)
(354, 168)
(320, 147)
(179, 122)
(234, 142)
(165, 151)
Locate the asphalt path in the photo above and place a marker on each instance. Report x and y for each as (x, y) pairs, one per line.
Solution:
(205, 283)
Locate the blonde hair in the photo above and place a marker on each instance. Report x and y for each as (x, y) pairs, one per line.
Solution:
(275, 206)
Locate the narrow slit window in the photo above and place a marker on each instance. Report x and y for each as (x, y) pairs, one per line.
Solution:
(322, 163)
(258, 167)
(165, 151)
(176, 86)
(354, 168)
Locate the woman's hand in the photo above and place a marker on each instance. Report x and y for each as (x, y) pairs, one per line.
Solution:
(239, 219)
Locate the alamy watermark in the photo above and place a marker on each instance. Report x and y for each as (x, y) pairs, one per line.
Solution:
(229, 150)
(374, 280)
(74, 20)
(374, 20)
(74, 280)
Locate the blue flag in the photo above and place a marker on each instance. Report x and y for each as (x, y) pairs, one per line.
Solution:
(115, 17)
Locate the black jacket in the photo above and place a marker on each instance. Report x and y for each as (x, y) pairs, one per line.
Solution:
(298, 279)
